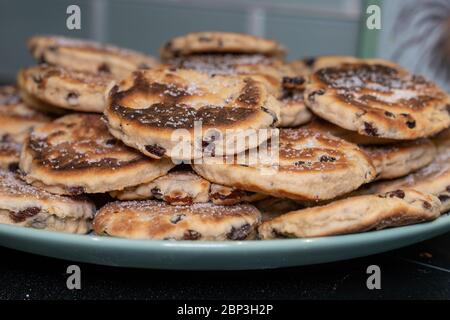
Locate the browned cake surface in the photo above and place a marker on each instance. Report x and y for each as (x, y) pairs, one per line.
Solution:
(145, 109)
(16, 118)
(158, 220)
(354, 214)
(88, 56)
(77, 153)
(378, 99)
(66, 88)
(311, 165)
(220, 42)
(284, 82)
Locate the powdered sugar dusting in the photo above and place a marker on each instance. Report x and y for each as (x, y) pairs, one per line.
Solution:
(153, 207)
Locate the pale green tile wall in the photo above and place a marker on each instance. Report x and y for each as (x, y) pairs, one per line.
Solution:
(306, 27)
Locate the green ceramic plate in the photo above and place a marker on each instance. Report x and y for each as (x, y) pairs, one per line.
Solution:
(198, 255)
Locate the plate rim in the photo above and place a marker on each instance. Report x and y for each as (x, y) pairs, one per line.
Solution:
(443, 222)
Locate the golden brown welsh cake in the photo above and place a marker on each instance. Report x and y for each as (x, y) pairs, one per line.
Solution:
(354, 214)
(65, 88)
(179, 187)
(391, 158)
(311, 165)
(159, 221)
(220, 42)
(150, 108)
(16, 118)
(399, 159)
(90, 56)
(378, 99)
(183, 187)
(283, 81)
(28, 206)
(76, 154)
(434, 178)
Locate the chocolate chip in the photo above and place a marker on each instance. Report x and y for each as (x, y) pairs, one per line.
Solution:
(6, 138)
(22, 215)
(37, 78)
(397, 193)
(309, 61)
(191, 235)
(75, 191)
(325, 158)
(177, 218)
(41, 59)
(411, 124)
(271, 113)
(293, 81)
(389, 114)
(110, 142)
(312, 95)
(444, 197)
(155, 150)
(427, 205)
(370, 129)
(278, 234)
(113, 90)
(299, 163)
(72, 98)
(13, 167)
(239, 233)
(104, 68)
(156, 192)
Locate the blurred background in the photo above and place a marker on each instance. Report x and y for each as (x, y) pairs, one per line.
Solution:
(415, 33)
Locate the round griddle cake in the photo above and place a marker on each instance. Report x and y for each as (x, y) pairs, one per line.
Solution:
(185, 187)
(87, 56)
(65, 88)
(181, 187)
(284, 82)
(16, 118)
(434, 179)
(378, 99)
(220, 42)
(399, 159)
(157, 220)
(355, 214)
(312, 165)
(28, 206)
(76, 154)
(391, 158)
(148, 108)
(41, 106)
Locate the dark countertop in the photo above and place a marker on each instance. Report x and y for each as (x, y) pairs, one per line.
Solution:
(421, 271)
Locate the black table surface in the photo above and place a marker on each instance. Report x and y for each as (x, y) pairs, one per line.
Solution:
(421, 271)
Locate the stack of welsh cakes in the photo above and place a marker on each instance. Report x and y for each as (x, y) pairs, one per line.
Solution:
(222, 139)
